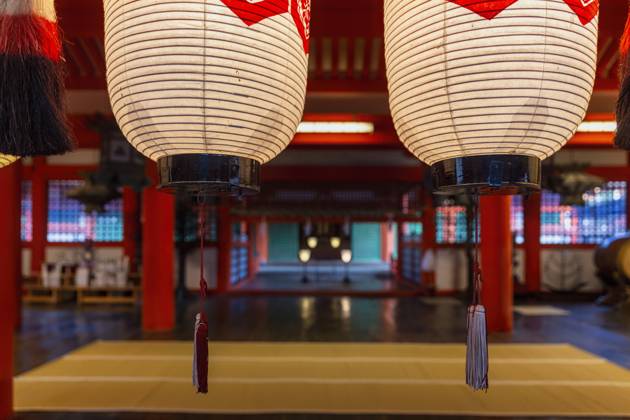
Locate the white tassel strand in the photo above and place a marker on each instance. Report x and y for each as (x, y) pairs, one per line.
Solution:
(477, 349)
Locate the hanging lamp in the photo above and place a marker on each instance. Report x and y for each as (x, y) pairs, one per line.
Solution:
(6, 160)
(210, 89)
(482, 91)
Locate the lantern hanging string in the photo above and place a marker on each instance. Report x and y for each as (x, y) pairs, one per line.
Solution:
(477, 337)
(476, 298)
(200, 359)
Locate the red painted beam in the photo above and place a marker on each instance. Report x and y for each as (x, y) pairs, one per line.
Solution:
(158, 306)
(496, 262)
(323, 174)
(329, 219)
(384, 135)
(80, 17)
(591, 141)
(380, 140)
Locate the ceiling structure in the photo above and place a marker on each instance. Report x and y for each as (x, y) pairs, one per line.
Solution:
(346, 78)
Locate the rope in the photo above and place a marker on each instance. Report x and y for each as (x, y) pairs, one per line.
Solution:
(203, 286)
(476, 269)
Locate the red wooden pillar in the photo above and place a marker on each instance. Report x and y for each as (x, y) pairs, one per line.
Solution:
(130, 225)
(157, 260)
(400, 245)
(385, 248)
(531, 209)
(496, 261)
(224, 251)
(10, 276)
(39, 195)
(263, 242)
(428, 240)
(252, 251)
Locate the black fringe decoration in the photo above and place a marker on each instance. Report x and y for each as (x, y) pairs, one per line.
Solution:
(622, 137)
(32, 111)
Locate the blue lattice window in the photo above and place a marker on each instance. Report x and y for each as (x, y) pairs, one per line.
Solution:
(412, 232)
(517, 219)
(450, 224)
(68, 221)
(602, 216)
(26, 213)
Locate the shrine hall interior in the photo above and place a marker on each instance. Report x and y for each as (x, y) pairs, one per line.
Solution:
(340, 289)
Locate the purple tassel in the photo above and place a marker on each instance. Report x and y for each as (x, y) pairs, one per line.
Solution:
(477, 349)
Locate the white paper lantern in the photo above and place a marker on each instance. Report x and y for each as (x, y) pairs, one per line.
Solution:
(469, 79)
(208, 88)
(6, 160)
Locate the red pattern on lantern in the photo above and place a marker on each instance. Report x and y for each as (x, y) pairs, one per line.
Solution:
(252, 13)
(486, 9)
(301, 12)
(586, 10)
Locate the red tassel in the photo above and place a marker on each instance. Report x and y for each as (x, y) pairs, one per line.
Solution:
(622, 137)
(29, 36)
(200, 361)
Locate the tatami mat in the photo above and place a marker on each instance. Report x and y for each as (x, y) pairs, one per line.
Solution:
(148, 376)
(540, 310)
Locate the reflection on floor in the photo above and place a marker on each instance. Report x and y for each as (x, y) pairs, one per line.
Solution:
(364, 277)
(50, 333)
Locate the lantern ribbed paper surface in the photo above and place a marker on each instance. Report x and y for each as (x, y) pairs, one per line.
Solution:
(218, 77)
(6, 160)
(472, 78)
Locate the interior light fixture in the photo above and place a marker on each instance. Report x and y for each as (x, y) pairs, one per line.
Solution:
(304, 255)
(335, 242)
(311, 241)
(346, 256)
(335, 127)
(597, 127)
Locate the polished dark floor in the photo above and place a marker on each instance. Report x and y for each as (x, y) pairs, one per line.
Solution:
(362, 277)
(48, 333)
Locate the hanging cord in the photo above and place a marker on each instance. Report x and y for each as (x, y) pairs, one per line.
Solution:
(203, 286)
(477, 337)
(200, 359)
(476, 298)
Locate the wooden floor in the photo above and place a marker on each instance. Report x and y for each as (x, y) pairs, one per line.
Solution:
(363, 277)
(50, 333)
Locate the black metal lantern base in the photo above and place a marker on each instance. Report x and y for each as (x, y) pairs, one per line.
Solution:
(209, 174)
(490, 174)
